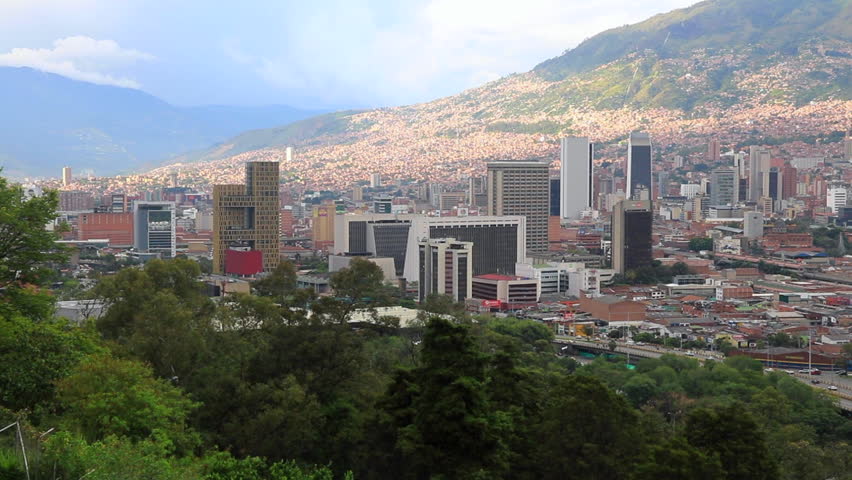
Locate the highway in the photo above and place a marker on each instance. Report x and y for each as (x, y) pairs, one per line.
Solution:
(843, 394)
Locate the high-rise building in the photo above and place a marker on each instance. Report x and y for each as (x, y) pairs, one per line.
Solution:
(639, 167)
(446, 268)
(288, 155)
(714, 151)
(837, 196)
(376, 180)
(173, 180)
(690, 190)
(117, 203)
(631, 235)
(753, 225)
(67, 179)
(576, 177)
(789, 178)
(154, 227)
(521, 188)
(847, 148)
(322, 228)
(476, 188)
(725, 186)
(357, 193)
(663, 183)
(759, 161)
(773, 185)
(247, 215)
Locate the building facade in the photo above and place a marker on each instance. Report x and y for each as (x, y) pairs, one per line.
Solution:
(446, 268)
(576, 177)
(724, 187)
(639, 185)
(248, 215)
(154, 228)
(522, 188)
(631, 235)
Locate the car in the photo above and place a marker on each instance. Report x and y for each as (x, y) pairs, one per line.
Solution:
(832, 387)
(844, 373)
(769, 370)
(815, 381)
(690, 354)
(791, 372)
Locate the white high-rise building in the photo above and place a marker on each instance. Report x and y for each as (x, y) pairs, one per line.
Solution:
(753, 225)
(689, 190)
(576, 177)
(289, 154)
(759, 161)
(837, 197)
(376, 180)
(154, 227)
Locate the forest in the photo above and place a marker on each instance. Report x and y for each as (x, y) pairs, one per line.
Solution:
(170, 384)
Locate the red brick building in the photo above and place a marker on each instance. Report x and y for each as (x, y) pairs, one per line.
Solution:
(613, 309)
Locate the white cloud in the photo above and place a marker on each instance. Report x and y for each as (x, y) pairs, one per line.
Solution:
(79, 58)
(439, 47)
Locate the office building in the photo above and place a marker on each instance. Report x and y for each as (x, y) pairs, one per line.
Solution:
(248, 215)
(847, 148)
(288, 155)
(512, 292)
(836, 197)
(117, 203)
(772, 185)
(639, 167)
(445, 268)
(477, 191)
(521, 188)
(322, 226)
(576, 177)
(382, 204)
(67, 178)
(724, 187)
(759, 161)
(154, 227)
(374, 235)
(173, 180)
(631, 235)
(357, 193)
(498, 242)
(753, 225)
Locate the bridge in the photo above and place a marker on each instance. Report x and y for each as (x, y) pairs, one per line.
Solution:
(843, 394)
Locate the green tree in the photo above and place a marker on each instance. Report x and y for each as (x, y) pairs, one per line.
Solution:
(25, 245)
(587, 431)
(701, 243)
(34, 356)
(735, 437)
(106, 396)
(439, 412)
(279, 284)
(676, 459)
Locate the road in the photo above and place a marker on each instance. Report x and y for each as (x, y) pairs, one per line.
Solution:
(843, 394)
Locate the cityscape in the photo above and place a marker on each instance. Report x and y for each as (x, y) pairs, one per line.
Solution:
(582, 289)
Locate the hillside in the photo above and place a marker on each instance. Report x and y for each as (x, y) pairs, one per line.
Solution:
(49, 121)
(748, 71)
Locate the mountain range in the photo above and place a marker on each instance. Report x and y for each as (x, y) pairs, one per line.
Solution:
(49, 121)
(775, 72)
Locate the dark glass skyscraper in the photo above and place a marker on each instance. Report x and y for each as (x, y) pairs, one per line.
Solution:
(639, 166)
(631, 235)
(554, 197)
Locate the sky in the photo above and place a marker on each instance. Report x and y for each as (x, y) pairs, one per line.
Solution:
(309, 54)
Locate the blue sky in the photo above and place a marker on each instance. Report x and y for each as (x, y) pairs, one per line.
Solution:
(323, 54)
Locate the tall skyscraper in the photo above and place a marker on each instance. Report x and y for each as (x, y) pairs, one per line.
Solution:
(759, 161)
(639, 167)
(67, 179)
(322, 226)
(576, 176)
(446, 268)
(724, 186)
(289, 155)
(154, 227)
(631, 235)
(522, 188)
(555, 196)
(248, 215)
(773, 185)
(376, 180)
